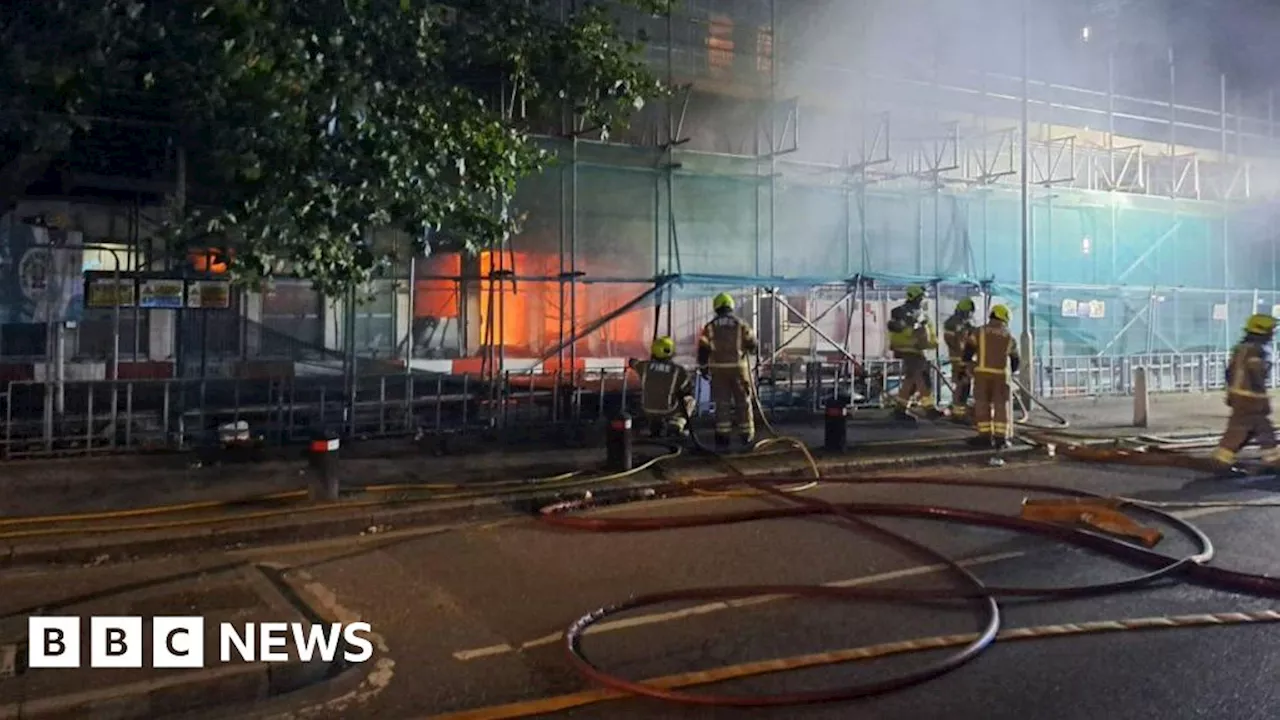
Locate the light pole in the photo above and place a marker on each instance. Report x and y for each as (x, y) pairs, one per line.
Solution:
(1026, 374)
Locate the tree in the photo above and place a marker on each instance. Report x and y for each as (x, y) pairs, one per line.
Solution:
(307, 125)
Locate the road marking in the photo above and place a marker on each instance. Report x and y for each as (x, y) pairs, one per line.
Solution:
(706, 608)
(465, 655)
(754, 668)
(697, 610)
(1200, 512)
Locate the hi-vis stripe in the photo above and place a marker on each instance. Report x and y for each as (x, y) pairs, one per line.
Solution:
(982, 356)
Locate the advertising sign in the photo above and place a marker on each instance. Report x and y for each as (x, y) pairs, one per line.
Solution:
(161, 294)
(104, 290)
(209, 294)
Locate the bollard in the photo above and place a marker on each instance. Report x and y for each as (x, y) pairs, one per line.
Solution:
(323, 458)
(617, 444)
(1141, 400)
(836, 435)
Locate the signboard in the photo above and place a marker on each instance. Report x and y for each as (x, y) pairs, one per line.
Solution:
(1070, 308)
(161, 294)
(209, 294)
(1097, 309)
(1220, 311)
(109, 291)
(40, 272)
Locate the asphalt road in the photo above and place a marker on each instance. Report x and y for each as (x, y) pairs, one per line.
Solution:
(471, 616)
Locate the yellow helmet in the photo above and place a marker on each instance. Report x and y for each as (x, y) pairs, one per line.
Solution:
(1001, 313)
(915, 292)
(965, 305)
(723, 301)
(663, 348)
(1260, 324)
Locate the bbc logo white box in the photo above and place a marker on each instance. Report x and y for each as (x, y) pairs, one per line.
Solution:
(177, 642)
(115, 642)
(53, 642)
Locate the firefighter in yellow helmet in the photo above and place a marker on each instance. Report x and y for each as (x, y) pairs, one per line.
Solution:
(910, 337)
(666, 389)
(723, 348)
(1247, 395)
(955, 331)
(993, 351)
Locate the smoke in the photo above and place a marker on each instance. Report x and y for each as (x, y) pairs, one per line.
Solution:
(918, 38)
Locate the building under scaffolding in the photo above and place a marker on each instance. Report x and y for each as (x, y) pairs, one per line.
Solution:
(814, 191)
(1147, 227)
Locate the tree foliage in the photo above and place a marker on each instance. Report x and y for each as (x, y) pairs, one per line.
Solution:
(307, 125)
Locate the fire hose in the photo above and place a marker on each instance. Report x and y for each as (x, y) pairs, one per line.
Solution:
(1157, 566)
(1193, 567)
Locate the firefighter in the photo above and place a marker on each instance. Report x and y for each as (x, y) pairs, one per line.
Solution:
(956, 331)
(1247, 395)
(723, 347)
(666, 389)
(993, 352)
(910, 337)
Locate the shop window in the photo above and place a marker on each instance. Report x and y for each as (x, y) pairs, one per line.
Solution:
(375, 325)
(291, 319)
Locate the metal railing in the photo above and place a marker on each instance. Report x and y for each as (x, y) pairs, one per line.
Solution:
(134, 415)
(1086, 376)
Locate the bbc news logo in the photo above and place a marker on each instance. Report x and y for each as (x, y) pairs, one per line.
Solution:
(179, 642)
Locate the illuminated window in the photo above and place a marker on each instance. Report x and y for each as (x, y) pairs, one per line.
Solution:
(764, 50)
(720, 44)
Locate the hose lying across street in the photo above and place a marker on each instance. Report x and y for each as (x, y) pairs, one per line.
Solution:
(1156, 566)
(1153, 566)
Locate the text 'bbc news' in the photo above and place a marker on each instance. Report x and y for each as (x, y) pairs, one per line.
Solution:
(179, 642)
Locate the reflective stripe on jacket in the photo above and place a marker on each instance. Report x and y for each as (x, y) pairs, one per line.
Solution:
(994, 346)
(662, 382)
(725, 342)
(1247, 378)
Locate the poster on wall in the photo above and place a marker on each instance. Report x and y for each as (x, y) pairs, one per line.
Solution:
(106, 291)
(1070, 308)
(1220, 311)
(161, 294)
(1097, 309)
(40, 277)
(209, 294)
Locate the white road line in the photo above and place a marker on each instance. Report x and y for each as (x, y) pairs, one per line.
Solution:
(654, 618)
(483, 652)
(1201, 512)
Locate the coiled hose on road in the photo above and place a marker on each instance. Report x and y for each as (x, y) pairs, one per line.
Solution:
(985, 597)
(1157, 565)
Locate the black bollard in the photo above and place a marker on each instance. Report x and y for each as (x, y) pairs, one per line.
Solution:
(836, 429)
(323, 458)
(617, 444)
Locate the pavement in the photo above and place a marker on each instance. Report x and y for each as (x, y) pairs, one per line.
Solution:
(210, 588)
(79, 485)
(77, 511)
(467, 608)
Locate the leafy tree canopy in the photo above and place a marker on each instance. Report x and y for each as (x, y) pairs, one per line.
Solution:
(306, 125)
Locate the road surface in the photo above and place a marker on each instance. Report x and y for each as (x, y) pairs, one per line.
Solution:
(471, 616)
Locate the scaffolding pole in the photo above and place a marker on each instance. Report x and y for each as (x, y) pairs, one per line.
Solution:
(1025, 310)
